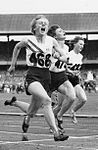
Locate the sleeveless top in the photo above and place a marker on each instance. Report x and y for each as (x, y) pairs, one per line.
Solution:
(75, 60)
(41, 57)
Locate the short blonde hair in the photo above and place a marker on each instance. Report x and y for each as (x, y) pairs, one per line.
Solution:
(33, 22)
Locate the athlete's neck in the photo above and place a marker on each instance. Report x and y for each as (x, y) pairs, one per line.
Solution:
(61, 43)
(76, 51)
(41, 38)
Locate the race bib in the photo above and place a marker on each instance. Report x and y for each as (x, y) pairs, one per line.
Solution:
(40, 59)
(60, 64)
(74, 67)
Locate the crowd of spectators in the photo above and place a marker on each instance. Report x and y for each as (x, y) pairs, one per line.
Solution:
(90, 80)
(13, 84)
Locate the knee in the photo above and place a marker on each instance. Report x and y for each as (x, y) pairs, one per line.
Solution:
(83, 99)
(72, 97)
(46, 102)
(71, 94)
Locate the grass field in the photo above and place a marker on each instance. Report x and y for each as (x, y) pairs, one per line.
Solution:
(83, 136)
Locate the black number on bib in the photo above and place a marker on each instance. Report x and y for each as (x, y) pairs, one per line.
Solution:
(76, 67)
(59, 64)
(33, 58)
(47, 60)
(41, 59)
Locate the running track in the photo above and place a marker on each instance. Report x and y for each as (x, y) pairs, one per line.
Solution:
(83, 136)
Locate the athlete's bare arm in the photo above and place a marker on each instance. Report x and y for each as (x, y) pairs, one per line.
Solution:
(61, 56)
(16, 52)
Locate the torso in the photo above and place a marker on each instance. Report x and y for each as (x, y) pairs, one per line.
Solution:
(39, 58)
(75, 60)
(58, 66)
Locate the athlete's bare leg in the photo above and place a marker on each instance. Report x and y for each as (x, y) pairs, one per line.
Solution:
(81, 100)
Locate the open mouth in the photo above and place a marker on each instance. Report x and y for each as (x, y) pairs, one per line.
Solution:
(42, 30)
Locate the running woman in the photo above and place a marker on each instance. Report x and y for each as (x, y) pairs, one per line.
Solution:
(38, 78)
(59, 79)
(75, 63)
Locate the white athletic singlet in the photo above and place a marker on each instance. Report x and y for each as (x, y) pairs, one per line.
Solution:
(75, 60)
(42, 56)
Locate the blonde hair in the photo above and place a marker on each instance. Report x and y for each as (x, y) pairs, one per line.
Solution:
(33, 22)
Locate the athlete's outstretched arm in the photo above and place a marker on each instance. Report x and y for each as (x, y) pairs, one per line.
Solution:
(16, 52)
(61, 55)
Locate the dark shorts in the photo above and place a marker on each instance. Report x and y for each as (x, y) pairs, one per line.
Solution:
(74, 80)
(41, 75)
(57, 79)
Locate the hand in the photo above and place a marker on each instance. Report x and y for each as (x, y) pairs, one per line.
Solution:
(11, 69)
(56, 55)
(76, 73)
(70, 73)
(73, 73)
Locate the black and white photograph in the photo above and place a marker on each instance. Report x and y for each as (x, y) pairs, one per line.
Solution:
(49, 75)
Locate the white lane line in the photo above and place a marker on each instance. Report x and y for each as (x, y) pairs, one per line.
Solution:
(15, 126)
(48, 135)
(29, 141)
(84, 137)
(20, 133)
(44, 145)
(32, 142)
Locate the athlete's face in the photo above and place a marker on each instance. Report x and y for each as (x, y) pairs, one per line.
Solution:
(60, 34)
(79, 45)
(42, 26)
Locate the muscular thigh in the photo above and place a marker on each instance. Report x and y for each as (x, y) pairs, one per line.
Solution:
(57, 79)
(80, 93)
(61, 98)
(36, 89)
(67, 89)
(37, 80)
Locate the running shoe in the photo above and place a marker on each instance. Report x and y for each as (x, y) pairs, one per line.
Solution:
(61, 131)
(61, 137)
(25, 124)
(10, 102)
(24, 138)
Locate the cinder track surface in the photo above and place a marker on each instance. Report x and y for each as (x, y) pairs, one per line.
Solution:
(83, 136)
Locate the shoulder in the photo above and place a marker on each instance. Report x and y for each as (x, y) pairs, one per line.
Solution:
(81, 56)
(50, 38)
(23, 42)
(71, 52)
(32, 38)
(66, 47)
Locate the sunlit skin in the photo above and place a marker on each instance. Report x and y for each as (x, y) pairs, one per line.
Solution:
(60, 37)
(78, 47)
(41, 27)
(60, 34)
